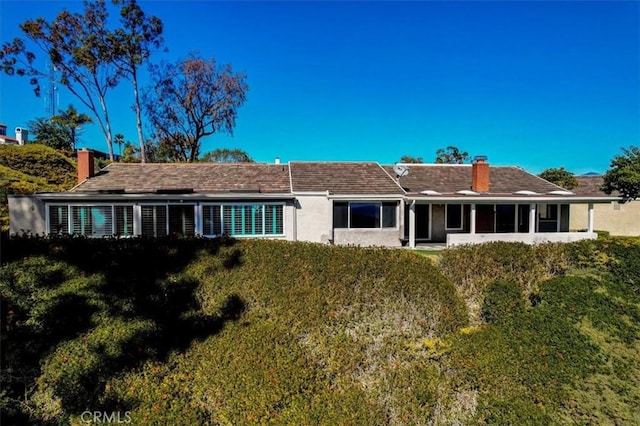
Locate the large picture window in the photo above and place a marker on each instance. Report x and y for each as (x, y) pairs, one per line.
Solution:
(364, 214)
(243, 219)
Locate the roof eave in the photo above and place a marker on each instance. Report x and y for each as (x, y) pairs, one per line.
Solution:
(570, 199)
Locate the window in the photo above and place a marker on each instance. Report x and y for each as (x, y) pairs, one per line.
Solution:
(505, 218)
(340, 214)
(154, 221)
(94, 221)
(124, 220)
(454, 216)
(182, 220)
(389, 214)
(364, 214)
(58, 219)
(243, 219)
(91, 221)
(547, 218)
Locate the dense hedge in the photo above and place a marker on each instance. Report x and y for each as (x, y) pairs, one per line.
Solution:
(220, 331)
(502, 301)
(472, 268)
(177, 331)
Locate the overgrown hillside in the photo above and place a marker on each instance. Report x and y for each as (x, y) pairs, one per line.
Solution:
(32, 168)
(254, 332)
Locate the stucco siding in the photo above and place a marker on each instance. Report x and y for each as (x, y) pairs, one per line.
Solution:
(537, 238)
(26, 214)
(615, 218)
(368, 237)
(313, 218)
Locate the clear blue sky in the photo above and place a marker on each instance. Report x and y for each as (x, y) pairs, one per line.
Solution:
(534, 84)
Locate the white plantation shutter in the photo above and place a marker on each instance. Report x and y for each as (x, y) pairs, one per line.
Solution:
(154, 221)
(124, 220)
(58, 219)
(96, 221)
(243, 219)
(274, 220)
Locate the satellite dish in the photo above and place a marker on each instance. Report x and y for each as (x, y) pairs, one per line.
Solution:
(400, 170)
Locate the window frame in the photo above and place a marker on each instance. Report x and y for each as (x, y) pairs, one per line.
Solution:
(447, 227)
(70, 227)
(545, 219)
(381, 215)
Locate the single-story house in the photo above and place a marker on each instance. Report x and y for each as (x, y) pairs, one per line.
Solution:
(615, 217)
(359, 203)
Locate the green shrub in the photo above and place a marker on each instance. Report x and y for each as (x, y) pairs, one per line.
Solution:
(238, 331)
(472, 268)
(503, 300)
(197, 331)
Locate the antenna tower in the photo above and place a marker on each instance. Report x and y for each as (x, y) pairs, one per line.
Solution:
(51, 91)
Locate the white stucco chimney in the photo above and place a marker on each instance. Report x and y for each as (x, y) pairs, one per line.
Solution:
(277, 160)
(22, 135)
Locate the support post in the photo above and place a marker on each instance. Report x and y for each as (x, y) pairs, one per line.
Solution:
(590, 224)
(532, 218)
(472, 225)
(412, 224)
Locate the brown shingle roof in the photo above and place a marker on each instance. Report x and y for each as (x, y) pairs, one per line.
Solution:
(199, 177)
(590, 185)
(448, 179)
(342, 178)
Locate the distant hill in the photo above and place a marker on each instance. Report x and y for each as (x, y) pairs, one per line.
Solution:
(32, 168)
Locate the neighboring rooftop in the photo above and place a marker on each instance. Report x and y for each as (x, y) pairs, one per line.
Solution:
(590, 185)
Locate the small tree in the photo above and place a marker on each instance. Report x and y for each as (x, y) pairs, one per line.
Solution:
(226, 155)
(72, 121)
(50, 133)
(451, 155)
(624, 174)
(411, 160)
(191, 99)
(560, 177)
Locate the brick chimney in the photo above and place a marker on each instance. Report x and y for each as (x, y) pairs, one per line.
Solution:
(480, 174)
(85, 165)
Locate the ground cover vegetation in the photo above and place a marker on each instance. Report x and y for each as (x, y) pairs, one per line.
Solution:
(32, 168)
(227, 331)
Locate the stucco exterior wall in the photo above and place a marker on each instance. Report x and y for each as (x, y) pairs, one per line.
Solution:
(541, 237)
(387, 237)
(616, 218)
(26, 214)
(313, 218)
